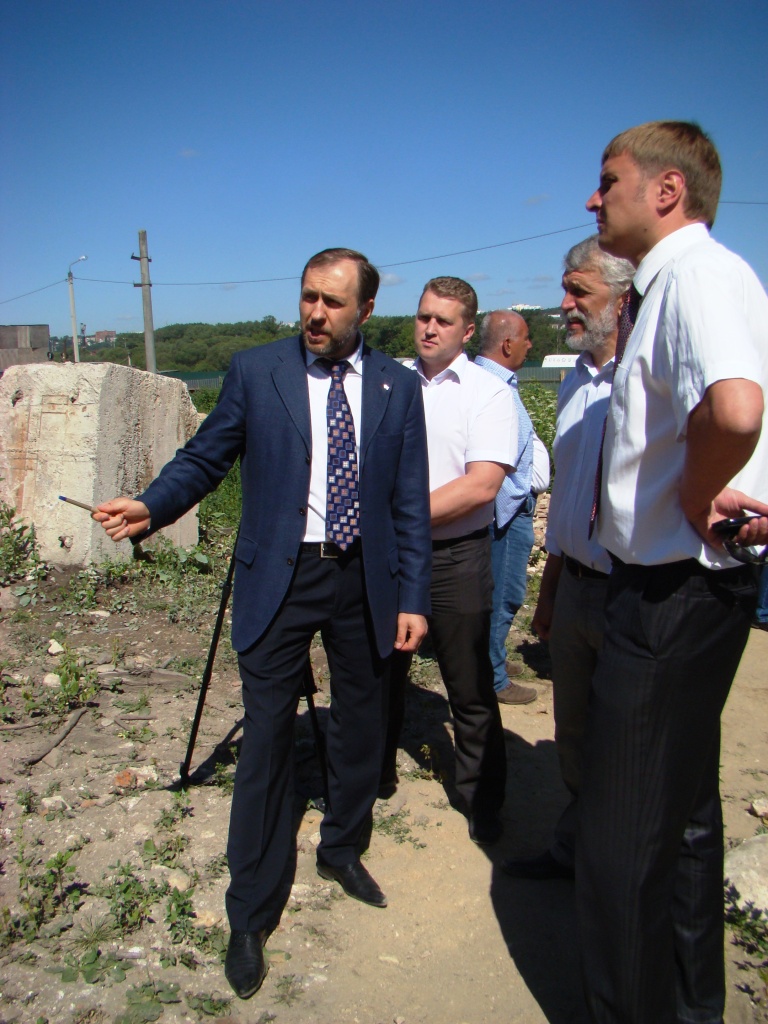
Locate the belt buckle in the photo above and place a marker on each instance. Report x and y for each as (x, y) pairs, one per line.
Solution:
(328, 549)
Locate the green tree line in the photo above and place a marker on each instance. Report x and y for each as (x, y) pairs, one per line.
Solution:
(210, 347)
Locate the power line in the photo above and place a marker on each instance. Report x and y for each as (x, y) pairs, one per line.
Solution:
(383, 266)
(33, 292)
(481, 248)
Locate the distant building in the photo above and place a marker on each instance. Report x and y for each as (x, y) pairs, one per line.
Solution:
(101, 337)
(523, 305)
(23, 343)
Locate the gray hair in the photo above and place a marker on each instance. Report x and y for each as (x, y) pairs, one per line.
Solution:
(615, 272)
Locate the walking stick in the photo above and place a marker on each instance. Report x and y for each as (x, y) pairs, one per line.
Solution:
(226, 590)
(309, 690)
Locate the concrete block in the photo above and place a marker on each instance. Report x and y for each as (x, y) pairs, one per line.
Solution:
(90, 431)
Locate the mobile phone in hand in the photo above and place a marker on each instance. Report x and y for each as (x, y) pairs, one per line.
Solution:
(730, 527)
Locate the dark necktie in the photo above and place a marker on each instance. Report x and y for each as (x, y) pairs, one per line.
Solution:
(342, 507)
(626, 323)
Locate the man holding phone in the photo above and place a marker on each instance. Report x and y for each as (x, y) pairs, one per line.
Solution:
(683, 450)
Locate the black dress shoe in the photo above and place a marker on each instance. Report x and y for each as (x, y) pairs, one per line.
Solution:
(355, 881)
(244, 967)
(539, 868)
(485, 829)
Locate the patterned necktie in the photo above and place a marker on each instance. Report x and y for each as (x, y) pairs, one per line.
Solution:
(342, 507)
(626, 323)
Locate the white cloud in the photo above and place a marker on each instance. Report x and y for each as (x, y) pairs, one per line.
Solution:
(125, 318)
(535, 200)
(501, 291)
(389, 280)
(478, 277)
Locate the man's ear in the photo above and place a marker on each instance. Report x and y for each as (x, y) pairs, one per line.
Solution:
(670, 189)
(469, 332)
(365, 312)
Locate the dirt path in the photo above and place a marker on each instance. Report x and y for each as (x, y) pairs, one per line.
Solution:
(460, 943)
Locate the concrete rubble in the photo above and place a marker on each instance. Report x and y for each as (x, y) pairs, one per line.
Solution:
(89, 431)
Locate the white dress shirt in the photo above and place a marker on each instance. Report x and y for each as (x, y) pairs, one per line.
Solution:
(703, 318)
(319, 384)
(582, 404)
(541, 470)
(471, 417)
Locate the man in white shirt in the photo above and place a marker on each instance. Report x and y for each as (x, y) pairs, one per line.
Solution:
(504, 344)
(683, 450)
(471, 442)
(570, 612)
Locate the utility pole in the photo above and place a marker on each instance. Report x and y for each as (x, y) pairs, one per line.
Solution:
(146, 302)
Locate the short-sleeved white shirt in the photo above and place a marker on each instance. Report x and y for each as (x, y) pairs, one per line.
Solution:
(471, 417)
(703, 318)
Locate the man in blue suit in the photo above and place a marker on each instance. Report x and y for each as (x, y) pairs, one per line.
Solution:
(350, 558)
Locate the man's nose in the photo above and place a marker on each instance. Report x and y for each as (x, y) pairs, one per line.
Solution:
(567, 302)
(595, 201)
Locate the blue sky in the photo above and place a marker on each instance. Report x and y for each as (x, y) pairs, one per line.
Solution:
(246, 136)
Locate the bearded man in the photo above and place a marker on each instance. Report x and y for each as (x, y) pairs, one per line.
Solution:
(570, 610)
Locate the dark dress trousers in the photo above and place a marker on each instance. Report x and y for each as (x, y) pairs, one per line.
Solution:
(284, 593)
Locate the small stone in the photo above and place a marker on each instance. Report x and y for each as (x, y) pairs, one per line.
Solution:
(99, 613)
(53, 758)
(102, 658)
(178, 880)
(759, 807)
(746, 869)
(51, 680)
(54, 803)
(125, 779)
(209, 918)
(147, 773)
(54, 648)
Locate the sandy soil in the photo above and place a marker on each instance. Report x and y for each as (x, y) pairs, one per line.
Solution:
(460, 943)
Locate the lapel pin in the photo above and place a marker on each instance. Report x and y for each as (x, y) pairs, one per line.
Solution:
(385, 385)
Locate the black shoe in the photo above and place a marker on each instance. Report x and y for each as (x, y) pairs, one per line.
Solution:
(485, 829)
(244, 967)
(355, 880)
(540, 868)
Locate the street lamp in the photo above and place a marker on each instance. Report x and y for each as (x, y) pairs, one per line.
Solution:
(72, 307)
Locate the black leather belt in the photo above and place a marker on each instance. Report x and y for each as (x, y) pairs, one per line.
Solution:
(326, 549)
(582, 572)
(438, 545)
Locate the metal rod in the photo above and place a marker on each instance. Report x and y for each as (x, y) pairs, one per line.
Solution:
(226, 590)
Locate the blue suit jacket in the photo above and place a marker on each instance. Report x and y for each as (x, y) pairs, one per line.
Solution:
(263, 416)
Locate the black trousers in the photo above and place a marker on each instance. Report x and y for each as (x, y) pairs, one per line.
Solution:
(462, 596)
(326, 595)
(649, 848)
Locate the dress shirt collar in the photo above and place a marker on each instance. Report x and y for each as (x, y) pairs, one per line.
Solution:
(665, 250)
(586, 365)
(355, 359)
(457, 370)
(507, 375)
